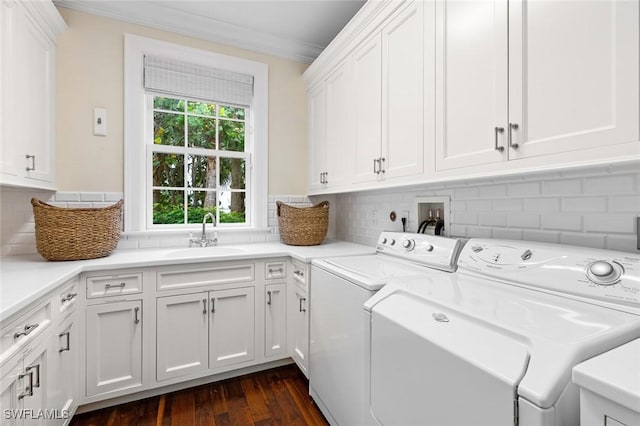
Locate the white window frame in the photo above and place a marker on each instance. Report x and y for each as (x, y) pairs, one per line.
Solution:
(137, 122)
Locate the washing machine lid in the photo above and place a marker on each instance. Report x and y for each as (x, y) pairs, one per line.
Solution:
(560, 332)
(369, 271)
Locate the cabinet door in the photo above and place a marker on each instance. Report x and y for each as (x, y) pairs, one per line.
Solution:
(338, 137)
(63, 369)
(183, 342)
(317, 132)
(471, 82)
(300, 331)
(573, 75)
(35, 363)
(11, 385)
(367, 110)
(275, 320)
(232, 327)
(402, 94)
(33, 97)
(8, 151)
(114, 347)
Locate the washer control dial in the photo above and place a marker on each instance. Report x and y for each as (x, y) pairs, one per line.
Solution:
(603, 272)
(409, 244)
(428, 247)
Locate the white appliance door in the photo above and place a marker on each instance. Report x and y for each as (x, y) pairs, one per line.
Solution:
(467, 373)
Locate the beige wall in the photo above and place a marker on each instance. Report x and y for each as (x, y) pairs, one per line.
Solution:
(90, 60)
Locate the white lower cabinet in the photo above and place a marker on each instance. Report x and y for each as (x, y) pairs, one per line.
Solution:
(300, 331)
(275, 320)
(206, 330)
(23, 387)
(114, 347)
(63, 364)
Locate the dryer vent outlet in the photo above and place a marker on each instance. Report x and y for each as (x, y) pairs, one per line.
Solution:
(433, 215)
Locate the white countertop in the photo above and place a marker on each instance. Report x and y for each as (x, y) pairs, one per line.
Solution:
(24, 279)
(614, 375)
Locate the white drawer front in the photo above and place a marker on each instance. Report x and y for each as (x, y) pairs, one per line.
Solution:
(224, 274)
(68, 296)
(300, 274)
(275, 270)
(23, 329)
(114, 285)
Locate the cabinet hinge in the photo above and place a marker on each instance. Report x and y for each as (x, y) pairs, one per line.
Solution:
(516, 412)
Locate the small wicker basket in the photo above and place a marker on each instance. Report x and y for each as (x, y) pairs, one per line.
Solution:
(303, 226)
(76, 233)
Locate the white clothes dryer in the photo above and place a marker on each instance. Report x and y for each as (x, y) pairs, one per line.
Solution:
(494, 344)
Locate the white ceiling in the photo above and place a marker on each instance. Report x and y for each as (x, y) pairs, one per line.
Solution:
(294, 29)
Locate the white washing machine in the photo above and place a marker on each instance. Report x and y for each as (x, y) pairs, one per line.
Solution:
(494, 344)
(339, 287)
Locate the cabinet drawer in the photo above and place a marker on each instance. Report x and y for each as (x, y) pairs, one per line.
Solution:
(176, 278)
(23, 329)
(68, 296)
(275, 270)
(300, 273)
(114, 285)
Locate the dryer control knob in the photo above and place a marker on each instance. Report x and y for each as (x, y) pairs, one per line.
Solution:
(384, 241)
(428, 247)
(409, 244)
(601, 269)
(603, 272)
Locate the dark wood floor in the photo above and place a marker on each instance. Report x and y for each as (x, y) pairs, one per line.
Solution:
(274, 397)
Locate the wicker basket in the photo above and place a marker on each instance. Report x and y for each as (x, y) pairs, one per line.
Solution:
(75, 233)
(303, 226)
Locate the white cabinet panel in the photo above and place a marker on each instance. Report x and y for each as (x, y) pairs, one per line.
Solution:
(63, 369)
(114, 347)
(275, 320)
(316, 105)
(367, 110)
(471, 82)
(573, 75)
(35, 382)
(232, 327)
(300, 330)
(183, 340)
(338, 116)
(402, 94)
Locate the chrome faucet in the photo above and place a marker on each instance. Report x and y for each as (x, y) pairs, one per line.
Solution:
(203, 241)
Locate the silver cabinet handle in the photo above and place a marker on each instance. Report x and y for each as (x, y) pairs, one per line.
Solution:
(321, 177)
(28, 389)
(498, 130)
(33, 162)
(381, 169)
(272, 270)
(69, 297)
(204, 306)
(68, 335)
(302, 299)
(268, 297)
(213, 305)
(37, 368)
(136, 318)
(27, 330)
(121, 285)
(512, 127)
(298, 273)
(376, 166)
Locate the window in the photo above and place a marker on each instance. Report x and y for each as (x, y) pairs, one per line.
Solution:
(196, 137)
(197, 161)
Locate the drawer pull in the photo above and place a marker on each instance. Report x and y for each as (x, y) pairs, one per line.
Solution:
(298, 273)
(68, 347)
(33, 162)
(37, 368)
(302, 299)
(498, 130)
(204, 306)
(28, 389)
(27, 330)
(108, 286)
(272, 270)
(69, 297)
(136, 318)
(213, 305)
(268, 298)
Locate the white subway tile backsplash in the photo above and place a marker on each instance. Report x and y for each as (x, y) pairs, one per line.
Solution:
(493, 219)
(584, 204)
(542, 204)
(628, 203)
(492, 191)
(465, 218)
(509, 205)
(564, 187)
(479, 205)
(67, 196)
(583, 240)
(478, 232)
(621, 243)
(541, 236)
(569, 222)
(507, 234)
(524, 189)
(610, 223)
(610, 184)
(92, 196)
(468, 193)
(524, 220)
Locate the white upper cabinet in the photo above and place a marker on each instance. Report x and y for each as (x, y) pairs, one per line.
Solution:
(573, 75)
(316, 105)
(338, 125)
(27, 88)
(402, 94)
(522, 79)
(471, 82)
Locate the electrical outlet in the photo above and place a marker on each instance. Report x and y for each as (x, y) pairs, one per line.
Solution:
(100, 122)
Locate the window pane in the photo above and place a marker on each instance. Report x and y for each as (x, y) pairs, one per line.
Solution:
(231, 112)
(168, 206)
(168, 170)
(202, 132)
(232, 173)
(201, 108)
(168, 129)
(201, 171)
(168, 104)
(231, 135)
(232, 208)
(200, 203)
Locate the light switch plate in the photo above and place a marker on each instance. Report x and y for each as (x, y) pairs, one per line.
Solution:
(100, 122)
